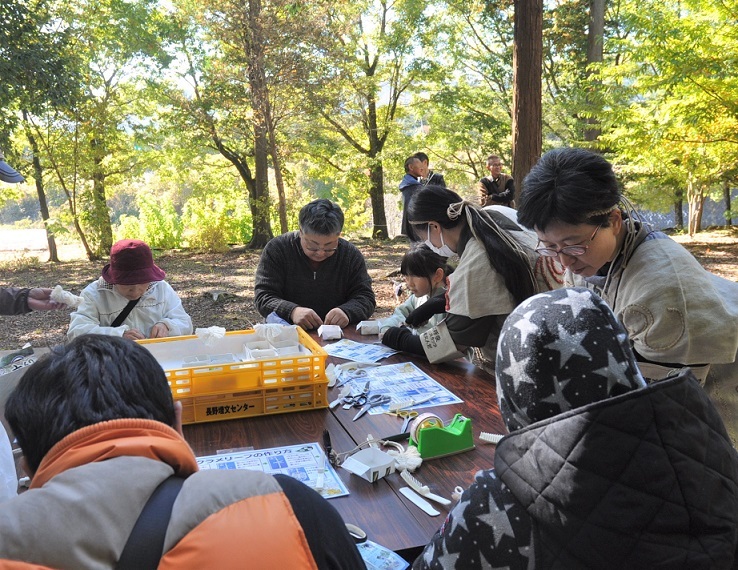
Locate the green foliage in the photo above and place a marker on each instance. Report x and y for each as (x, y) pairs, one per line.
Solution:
(212, 222)
(159, 105)
(158, 223)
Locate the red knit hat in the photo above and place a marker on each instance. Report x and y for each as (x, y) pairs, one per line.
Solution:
(131, 263)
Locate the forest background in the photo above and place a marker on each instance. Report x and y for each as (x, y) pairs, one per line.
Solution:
(198, 124)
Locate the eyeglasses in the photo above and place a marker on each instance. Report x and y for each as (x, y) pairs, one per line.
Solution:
(324, 250)
(312, 249)
(572, 250)
(496, 164)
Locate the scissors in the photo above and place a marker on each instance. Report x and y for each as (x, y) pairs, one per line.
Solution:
(357, 400)
(408, 415)
(370, 402)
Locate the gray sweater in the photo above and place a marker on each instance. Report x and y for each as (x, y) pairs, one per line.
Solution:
(285, 280)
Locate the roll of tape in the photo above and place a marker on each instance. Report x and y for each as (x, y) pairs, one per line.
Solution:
(424, 421)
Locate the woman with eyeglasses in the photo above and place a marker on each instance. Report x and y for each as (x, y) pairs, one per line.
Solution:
(676, 313)
(497, 270)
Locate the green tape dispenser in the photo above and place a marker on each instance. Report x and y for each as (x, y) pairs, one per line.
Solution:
(434, 439)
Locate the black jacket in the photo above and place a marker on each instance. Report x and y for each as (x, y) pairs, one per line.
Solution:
(648, 479)
(644, 480)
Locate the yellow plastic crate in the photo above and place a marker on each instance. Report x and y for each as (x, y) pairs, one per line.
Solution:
(213, 392)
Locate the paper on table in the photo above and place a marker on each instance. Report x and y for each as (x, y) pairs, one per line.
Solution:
(377, 557)
(303, 462)
(330, 332)
(358, 351)
(404, 382)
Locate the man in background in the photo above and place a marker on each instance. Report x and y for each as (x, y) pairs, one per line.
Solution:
(410, 184)
(497, 189)
(428, 176)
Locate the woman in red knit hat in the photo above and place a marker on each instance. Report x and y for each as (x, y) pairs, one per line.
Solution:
(130, 299)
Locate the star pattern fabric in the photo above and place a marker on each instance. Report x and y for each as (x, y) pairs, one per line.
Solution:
(487, 529)
(558, 351)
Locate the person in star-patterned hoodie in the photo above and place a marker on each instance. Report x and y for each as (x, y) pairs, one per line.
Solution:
(599, 470)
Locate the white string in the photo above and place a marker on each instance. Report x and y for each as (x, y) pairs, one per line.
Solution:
(628, 246)
(454, 211)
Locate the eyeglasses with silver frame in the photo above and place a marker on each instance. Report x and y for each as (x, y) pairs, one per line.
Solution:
(570, 250)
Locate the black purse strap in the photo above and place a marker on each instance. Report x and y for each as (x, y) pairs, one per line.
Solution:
(145, 545)
(124, 313)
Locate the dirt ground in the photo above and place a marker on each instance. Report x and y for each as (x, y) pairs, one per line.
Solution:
(197, 276)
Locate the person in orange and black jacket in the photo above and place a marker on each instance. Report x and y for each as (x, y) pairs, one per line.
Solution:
(99, 433)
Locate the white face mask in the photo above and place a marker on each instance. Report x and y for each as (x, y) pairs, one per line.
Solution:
(444, 250)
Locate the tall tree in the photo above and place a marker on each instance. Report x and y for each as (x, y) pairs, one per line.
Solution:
(672, 118)
(595, 39)
(527, 138)
(362, 63)
(38, 71)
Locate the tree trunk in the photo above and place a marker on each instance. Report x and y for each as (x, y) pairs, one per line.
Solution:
(728, 209)
(376, 191)
(594, 55)
(257, 81)
(679, 214)
(43, 205)
(696, 198)
(277, 164)
(100, 212)
(527, 66)
(376, 194)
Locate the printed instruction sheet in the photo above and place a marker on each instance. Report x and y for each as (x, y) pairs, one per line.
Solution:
(299, 461)
(358, 351)
(402, 382)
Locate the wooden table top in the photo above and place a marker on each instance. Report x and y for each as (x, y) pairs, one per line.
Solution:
(387, 516)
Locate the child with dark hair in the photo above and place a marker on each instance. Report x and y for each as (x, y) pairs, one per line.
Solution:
(425, 275)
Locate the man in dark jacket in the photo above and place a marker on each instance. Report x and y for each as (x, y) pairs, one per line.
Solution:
(497, 189)
(313, 276)
(410, 184)
(599, 471)
(426, 174)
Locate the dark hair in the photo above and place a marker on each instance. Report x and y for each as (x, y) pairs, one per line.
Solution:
(321, 217)
(431, 205)
(408, 161)
(421, 156)
(571, 186)
(92, 379)
(422, 261)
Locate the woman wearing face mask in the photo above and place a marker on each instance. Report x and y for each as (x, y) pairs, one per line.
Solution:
(497, 270)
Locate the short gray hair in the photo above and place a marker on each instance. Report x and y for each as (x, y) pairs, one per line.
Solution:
(321, 217)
